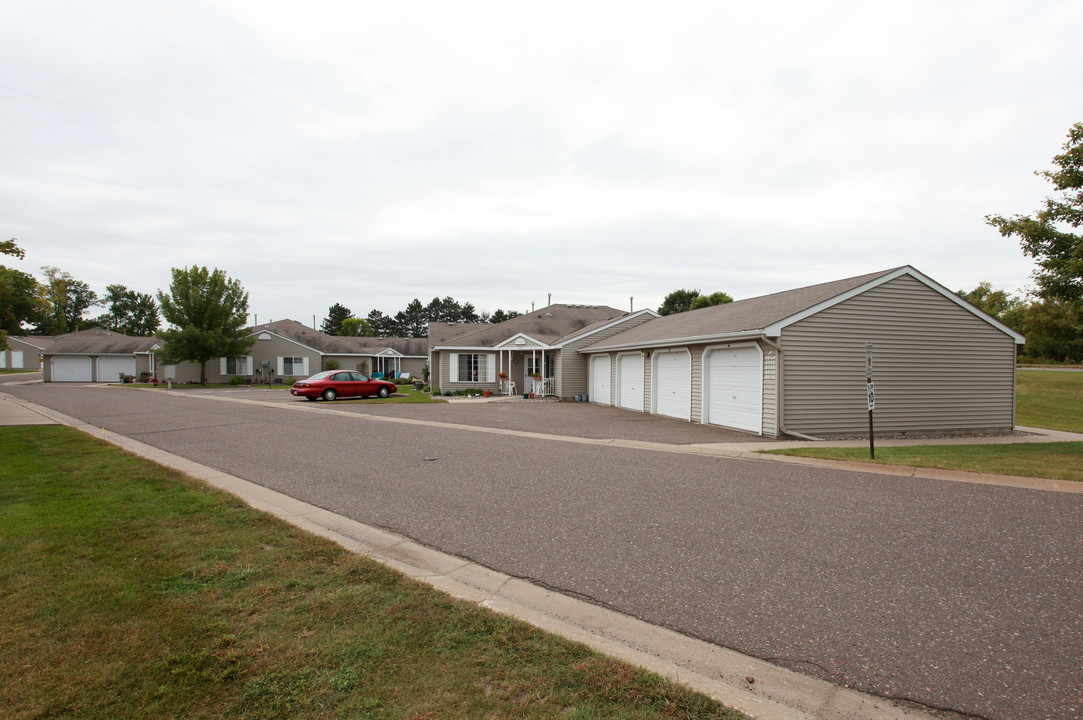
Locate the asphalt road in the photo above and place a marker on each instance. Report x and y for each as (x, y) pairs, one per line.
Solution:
(951, 595)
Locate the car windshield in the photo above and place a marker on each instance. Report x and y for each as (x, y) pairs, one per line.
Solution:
(319, 376)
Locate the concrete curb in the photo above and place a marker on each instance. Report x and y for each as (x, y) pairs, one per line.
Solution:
(755, 687)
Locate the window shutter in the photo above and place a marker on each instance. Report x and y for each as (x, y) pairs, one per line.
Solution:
(249, 366)
(304, 365)
(281, 366)
(221, 366)
(490, 368)
(454, 367)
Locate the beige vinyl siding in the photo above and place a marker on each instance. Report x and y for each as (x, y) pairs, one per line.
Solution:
(697, 382)
(936, 366)
(574, 367)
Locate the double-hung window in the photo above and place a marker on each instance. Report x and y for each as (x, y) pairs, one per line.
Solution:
(293, 366)
(236, 366)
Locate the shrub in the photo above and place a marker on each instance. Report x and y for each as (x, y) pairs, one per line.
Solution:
(331, 364)
(237, 380)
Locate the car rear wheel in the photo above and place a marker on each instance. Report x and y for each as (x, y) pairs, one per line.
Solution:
(329, 394)
(383, 391)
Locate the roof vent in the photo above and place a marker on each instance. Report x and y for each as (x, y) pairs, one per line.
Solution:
(548, 314)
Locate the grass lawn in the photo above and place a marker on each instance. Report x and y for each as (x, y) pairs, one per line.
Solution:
(1044, 399)
(132, 591)
(1060, 461)
(1049, 399)
(16, 371)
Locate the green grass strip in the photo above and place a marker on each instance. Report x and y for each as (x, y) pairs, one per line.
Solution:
(1049, 399)
(1059, 461)
(131, 591)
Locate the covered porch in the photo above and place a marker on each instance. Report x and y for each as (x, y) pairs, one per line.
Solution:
(526, 367)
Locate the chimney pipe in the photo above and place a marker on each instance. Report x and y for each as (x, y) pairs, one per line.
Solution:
(550, 301)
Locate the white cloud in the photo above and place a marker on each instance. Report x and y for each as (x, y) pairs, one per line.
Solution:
(368, 154)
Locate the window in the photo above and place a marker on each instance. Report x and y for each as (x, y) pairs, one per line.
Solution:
(236, 366)
(293, 366)
(472, 367)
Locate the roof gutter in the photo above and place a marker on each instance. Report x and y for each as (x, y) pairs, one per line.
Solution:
(673, 342)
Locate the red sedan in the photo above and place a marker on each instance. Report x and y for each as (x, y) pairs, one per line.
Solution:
(331, 384)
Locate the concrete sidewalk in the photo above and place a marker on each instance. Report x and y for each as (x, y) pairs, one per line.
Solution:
(16, 412)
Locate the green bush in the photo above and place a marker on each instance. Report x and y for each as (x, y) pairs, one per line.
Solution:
(331, 364)
(237, 380)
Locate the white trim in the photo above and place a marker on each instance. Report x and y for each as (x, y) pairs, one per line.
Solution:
(705, 386)
(775, 329)
(618, 392)
(526, 339)
(617, 321)
(654, 382)
(669, 343)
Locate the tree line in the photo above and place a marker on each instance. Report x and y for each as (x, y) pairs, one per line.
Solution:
(59, 304)
(412, 321)
(208, 310)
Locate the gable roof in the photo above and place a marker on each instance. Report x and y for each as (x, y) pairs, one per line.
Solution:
(326, 344)
(768, 314)
(549, 326)
(40, 342)
(99, 341)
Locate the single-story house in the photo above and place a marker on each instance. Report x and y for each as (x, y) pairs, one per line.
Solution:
(506, 357)
(287, 349)
(98, 355)
(794, 362)
(24, 351)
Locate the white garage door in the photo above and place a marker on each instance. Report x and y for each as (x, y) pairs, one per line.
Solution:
(735, 388)
(71, 369)
(630, 381)
(673, 384)
(111, 368)
(600, 388)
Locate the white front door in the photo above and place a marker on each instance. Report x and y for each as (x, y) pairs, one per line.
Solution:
(16, 359)
(630, 381)
(600, 388)
(735, 388)
(673, 384)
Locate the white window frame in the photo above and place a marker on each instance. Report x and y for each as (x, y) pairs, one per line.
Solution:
(242, 365)
(485, 368)
(293, 362)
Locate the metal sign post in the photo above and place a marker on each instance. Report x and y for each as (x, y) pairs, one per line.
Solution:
(871, 390)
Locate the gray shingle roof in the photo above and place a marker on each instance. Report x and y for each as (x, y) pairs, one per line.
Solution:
(548, 325)
(736, 317)
(341, 345)
(99, 341)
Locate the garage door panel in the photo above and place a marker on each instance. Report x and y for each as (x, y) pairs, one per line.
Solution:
(673, 385)
(630, 380)
(110, 369)
(71, 369)
(600, 388)
(735, 388)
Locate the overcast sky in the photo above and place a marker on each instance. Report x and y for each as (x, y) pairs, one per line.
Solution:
(369, 153)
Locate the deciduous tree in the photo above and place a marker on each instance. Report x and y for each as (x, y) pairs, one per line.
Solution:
(66, 299)
(678, 301)
(715, 298)
(208, 312)
(1049, 236)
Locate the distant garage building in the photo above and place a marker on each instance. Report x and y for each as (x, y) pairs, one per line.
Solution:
(98, 355)
(794, 362)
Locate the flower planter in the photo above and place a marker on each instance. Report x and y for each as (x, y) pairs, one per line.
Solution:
(486, 393)
(531, 395)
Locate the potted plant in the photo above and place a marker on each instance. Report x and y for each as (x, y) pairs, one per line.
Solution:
(503, 375)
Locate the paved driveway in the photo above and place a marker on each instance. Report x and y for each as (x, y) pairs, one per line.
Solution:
(952, 595)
